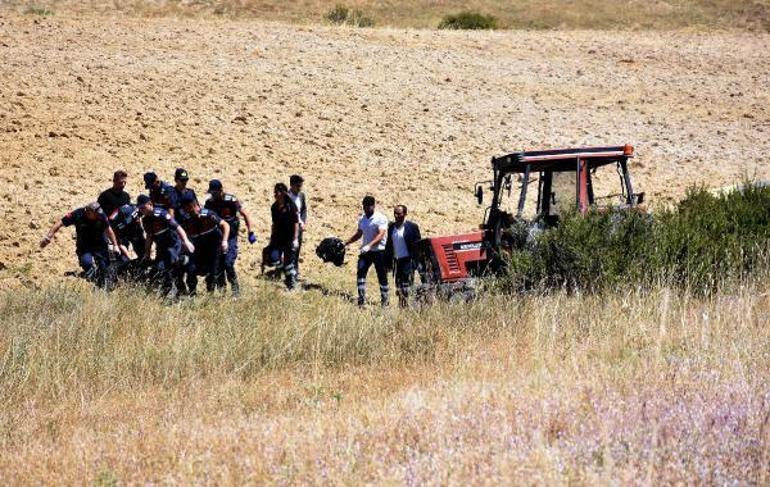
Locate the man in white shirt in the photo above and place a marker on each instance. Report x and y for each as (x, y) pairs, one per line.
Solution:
(372, 228)
(298, 197)
(401, 252)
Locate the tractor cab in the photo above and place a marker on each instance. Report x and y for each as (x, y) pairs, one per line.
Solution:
(549, 184)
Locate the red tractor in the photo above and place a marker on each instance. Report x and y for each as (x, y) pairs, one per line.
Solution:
(566, 179)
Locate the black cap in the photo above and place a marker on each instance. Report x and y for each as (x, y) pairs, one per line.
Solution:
(188, 198)
(181, 174)
(142, 200)
(296, 179)
(149, 179)
(215, 185)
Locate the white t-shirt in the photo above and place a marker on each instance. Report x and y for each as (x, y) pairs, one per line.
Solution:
(370, 227)
(399, 244)
(298, 203)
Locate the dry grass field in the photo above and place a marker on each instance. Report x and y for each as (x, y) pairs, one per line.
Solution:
(639, 388)
(632, 387)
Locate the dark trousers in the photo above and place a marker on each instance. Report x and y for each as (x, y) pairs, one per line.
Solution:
(138, 243)
(94, 262)
(365, 261)
(227, 265)
(204, 262)
(296, 252)
(404, 273)
(289, 266)
(167, 263)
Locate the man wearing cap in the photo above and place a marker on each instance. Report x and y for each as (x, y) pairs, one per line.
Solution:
(163, 231)
(92, 232)
(113, 198)
(209, 234)
(126, 223)
(162, 194)
(400, 252)
(299, 200)
(180, 187)
(228, 207)
(372, 226)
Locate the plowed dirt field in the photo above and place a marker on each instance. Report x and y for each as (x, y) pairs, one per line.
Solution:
(409, 116)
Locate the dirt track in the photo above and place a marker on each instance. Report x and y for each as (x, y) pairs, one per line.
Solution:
(410, 116)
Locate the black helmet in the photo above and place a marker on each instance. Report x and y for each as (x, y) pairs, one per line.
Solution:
(332, 250)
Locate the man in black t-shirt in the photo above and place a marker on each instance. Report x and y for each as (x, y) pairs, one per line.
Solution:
(285, 231)
(113, 198)
(92, 232)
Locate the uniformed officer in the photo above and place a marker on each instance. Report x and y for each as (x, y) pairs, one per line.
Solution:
(209, 233)
(180, 188)
(228, 207)
(92, 232)
(285, 230)
(163, 231)
(126, 223)
(162, 194)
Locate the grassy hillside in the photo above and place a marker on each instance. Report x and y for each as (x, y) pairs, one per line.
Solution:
(655, 386)
(526, 14)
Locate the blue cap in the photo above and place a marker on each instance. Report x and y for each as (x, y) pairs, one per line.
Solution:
(188, 198)
(215, 185)
(149, 179)
(181, 174)
(142, 200)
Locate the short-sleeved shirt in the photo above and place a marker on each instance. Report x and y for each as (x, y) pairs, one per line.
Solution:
(227, 208)
(164, 196)
(110, 200)
(89, 233)
(284, 220)
(161, 226)
(371, 226)
(203, 227)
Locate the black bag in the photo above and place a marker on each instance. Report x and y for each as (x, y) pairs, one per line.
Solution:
(332, 250)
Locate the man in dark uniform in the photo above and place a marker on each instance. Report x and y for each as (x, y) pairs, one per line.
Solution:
(92, 231)
(284, 236)
(209, 234)
(126, 223)
(163, 231)
(113, 198)
(180, 189)
(400, 252)
(228, 207)
(162, 194)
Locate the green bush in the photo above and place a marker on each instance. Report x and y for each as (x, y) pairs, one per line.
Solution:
(468, 21)
(37, 10)
(341, 15)
(702, 243)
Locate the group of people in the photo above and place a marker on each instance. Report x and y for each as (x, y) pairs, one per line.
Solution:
(386, 246)
(191, 239)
